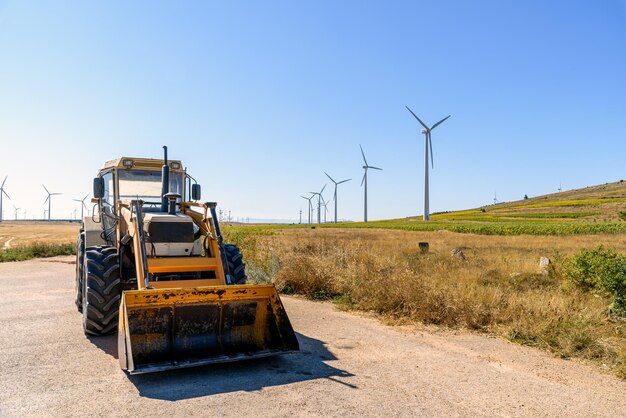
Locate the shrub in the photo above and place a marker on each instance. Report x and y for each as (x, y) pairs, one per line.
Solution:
(36, 250)
(601, 269)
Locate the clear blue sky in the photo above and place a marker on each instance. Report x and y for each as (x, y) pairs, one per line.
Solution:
(259, 98)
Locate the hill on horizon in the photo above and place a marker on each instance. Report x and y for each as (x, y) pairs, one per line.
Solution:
(600, 203)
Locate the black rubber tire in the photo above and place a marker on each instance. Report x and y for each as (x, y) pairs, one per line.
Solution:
(80, 260)
(102, 290)
(235, 264)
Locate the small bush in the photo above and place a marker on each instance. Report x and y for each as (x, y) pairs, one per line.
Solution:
(601, 269)
(36, 250)
(622, 215)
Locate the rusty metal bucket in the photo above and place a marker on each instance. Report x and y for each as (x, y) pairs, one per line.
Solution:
(174, 328)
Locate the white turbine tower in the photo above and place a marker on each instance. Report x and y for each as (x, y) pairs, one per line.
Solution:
(82, 206)
(364, 181)
(428, 145)
(495, 198)
(337, 183)
(3, 193)
(49, 200)
(310, 205)
(325, 204)
(319, 203)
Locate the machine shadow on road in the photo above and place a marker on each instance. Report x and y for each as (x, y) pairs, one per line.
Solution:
(251, 375)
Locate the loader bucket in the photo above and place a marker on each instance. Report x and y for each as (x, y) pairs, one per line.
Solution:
(162, 329)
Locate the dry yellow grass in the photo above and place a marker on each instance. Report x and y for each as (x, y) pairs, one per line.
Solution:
(26, 233)
(497, 289)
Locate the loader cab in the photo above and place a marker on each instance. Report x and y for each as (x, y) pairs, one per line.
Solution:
(132, 178)
(137, 178)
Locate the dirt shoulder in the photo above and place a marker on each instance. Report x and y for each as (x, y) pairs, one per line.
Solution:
(349, 365)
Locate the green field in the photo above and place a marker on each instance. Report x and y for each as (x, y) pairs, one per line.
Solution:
(592, 210)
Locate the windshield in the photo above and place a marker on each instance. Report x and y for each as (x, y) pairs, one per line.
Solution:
(146, 185)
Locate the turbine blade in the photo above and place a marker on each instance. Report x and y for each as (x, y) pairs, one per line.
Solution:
(343, 181)
(321, 191)
(6, 194)
(440, 122)
(430, 144)
(4, 181)
(375, 168)
(86, 196)
(46, 189)
(46, 199)
(363, 181)
(362, 153)
(331, 179)
(418, 119)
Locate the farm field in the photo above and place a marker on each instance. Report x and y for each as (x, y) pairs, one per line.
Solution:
(21, 233)
(495, 288)
(597, 209)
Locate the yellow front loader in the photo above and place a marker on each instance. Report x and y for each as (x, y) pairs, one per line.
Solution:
(153, 265)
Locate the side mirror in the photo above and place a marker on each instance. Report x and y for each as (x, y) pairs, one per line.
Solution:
(98, 187)
(196, 192)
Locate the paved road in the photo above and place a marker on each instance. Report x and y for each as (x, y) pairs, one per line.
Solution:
(349, 366)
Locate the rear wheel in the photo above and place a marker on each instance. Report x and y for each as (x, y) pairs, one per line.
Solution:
(235, 264)
(80, 259)
(102, 290)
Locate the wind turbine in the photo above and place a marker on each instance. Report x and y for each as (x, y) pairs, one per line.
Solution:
(319, 203)
(366, 167)
(49, 200)
(2, 192)
(16, 209)
(495, 198)
(310, 206)
(325, 204)
(337, 183)
(560, 188)
(428, 145)
(44, 213)
(83, 206)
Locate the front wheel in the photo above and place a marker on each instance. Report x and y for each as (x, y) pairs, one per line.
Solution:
(236, 266)
(102, 290)
(80, 259)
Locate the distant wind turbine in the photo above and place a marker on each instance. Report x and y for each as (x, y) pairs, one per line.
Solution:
(319, 203)
(364, 181)
(3, 193)
(16, 210)
(495, 198)
(337, 183)
(325, 204)
(82, 206)
(49, 200)
(310, 206)
(428, 145)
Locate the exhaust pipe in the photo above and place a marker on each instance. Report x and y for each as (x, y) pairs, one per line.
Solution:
(165, 181)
